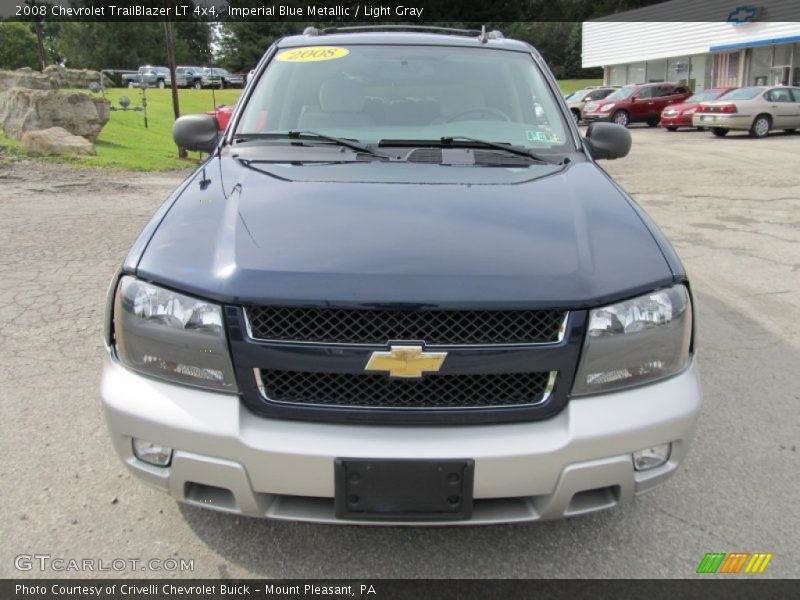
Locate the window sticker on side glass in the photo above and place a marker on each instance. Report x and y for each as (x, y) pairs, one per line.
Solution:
(312, 54)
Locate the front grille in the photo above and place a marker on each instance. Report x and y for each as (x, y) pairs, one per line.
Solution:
(431, 392)
(357, 326)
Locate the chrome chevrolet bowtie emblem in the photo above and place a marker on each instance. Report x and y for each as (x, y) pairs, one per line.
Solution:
(405, 361)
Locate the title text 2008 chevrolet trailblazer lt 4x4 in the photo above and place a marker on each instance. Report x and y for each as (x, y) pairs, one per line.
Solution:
(401, 290)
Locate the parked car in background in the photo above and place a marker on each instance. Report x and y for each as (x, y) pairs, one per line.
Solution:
(636, 103)
(189, 77)
(757, 110)
(151, 76)
(576, 101)
(221, 78)
(680, 115)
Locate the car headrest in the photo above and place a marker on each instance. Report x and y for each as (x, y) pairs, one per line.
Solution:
(341, 95)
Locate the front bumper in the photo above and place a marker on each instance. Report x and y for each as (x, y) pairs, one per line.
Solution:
(676, 121)
(229, 459)
(723, 121)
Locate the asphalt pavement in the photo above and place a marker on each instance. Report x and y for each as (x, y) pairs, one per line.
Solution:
(731, 206)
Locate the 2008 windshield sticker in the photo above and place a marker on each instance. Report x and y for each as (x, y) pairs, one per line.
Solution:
(313, 54)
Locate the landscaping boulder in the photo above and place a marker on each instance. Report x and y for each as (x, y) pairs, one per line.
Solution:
(52, 78)
(79, 113)
(55, 140)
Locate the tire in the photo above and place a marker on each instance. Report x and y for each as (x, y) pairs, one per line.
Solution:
(719, 131)
(161, 84)
(671, 128)
(197, 85)
(621, 117)
(652, 122)
(131, 84)
(761, 126)
(576, 116)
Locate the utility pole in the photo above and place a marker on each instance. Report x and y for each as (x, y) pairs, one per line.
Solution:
(39, 34)
(174, 83)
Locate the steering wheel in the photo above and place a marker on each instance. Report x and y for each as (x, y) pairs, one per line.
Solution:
(485, 110)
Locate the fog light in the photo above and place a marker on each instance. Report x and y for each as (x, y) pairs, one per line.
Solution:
(152, 454)
(650, 458)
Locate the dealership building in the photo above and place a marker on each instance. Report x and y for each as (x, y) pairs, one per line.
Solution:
(714, 44)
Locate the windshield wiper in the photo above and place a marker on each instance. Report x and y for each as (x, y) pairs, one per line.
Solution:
(452, 141)
(312, 135)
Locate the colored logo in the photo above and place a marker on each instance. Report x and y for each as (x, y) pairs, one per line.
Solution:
(406, 361)
(734, 562)
(744, 14)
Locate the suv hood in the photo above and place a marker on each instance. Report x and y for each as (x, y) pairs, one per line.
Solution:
(570, 239)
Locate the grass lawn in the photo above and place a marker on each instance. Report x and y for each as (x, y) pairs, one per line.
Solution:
(124, 143)
(571, 85)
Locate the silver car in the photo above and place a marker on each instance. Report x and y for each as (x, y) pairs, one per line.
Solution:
(577, 100)
(757, 109)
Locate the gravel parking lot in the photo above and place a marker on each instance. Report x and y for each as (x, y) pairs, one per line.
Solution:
(732, 208)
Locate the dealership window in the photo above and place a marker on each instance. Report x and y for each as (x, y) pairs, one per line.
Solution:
(656, 69)
(678, 69)
(760, 64)
(781, 65)
(796, 65)
(637, 72)
(616, 75)
(726, 69)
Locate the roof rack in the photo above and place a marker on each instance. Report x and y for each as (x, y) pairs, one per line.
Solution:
(484, 36)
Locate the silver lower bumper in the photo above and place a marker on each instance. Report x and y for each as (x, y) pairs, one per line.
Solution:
(229, 459)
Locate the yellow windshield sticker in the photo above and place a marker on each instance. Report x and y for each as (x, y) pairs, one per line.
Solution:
(313, 54)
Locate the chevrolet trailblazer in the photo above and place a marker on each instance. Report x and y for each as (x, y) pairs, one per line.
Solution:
(401, 289)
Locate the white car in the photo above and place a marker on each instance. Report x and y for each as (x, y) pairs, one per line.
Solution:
(756, 109)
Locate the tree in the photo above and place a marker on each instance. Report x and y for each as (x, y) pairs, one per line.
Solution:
(18, 46)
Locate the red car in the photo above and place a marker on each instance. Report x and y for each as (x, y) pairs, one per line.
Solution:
(223, 114)
(636, 103)
(680, 115)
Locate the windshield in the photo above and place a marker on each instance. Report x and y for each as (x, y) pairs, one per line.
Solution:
(742, 94)
(374, 93)
(621, 93)
(576, 94)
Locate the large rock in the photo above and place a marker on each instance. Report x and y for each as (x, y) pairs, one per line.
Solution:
(79, 113)
(52, 78)
(55, 140)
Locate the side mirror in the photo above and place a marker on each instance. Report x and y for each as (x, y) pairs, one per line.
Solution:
(608, 140)
(197, 133)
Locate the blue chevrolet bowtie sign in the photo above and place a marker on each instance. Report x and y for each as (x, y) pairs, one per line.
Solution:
(744, 14)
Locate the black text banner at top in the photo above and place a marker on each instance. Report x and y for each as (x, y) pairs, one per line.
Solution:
(463, 13)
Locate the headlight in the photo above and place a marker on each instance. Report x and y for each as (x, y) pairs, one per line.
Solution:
(169, 335)
(606, 107)
(691, 111)
(636, 341)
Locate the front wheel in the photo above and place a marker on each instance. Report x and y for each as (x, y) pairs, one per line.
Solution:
(197, 85)
(719, 131)
(131, 84)
(760, 127)
(161, 84)
(621, 117)
(672, 128)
